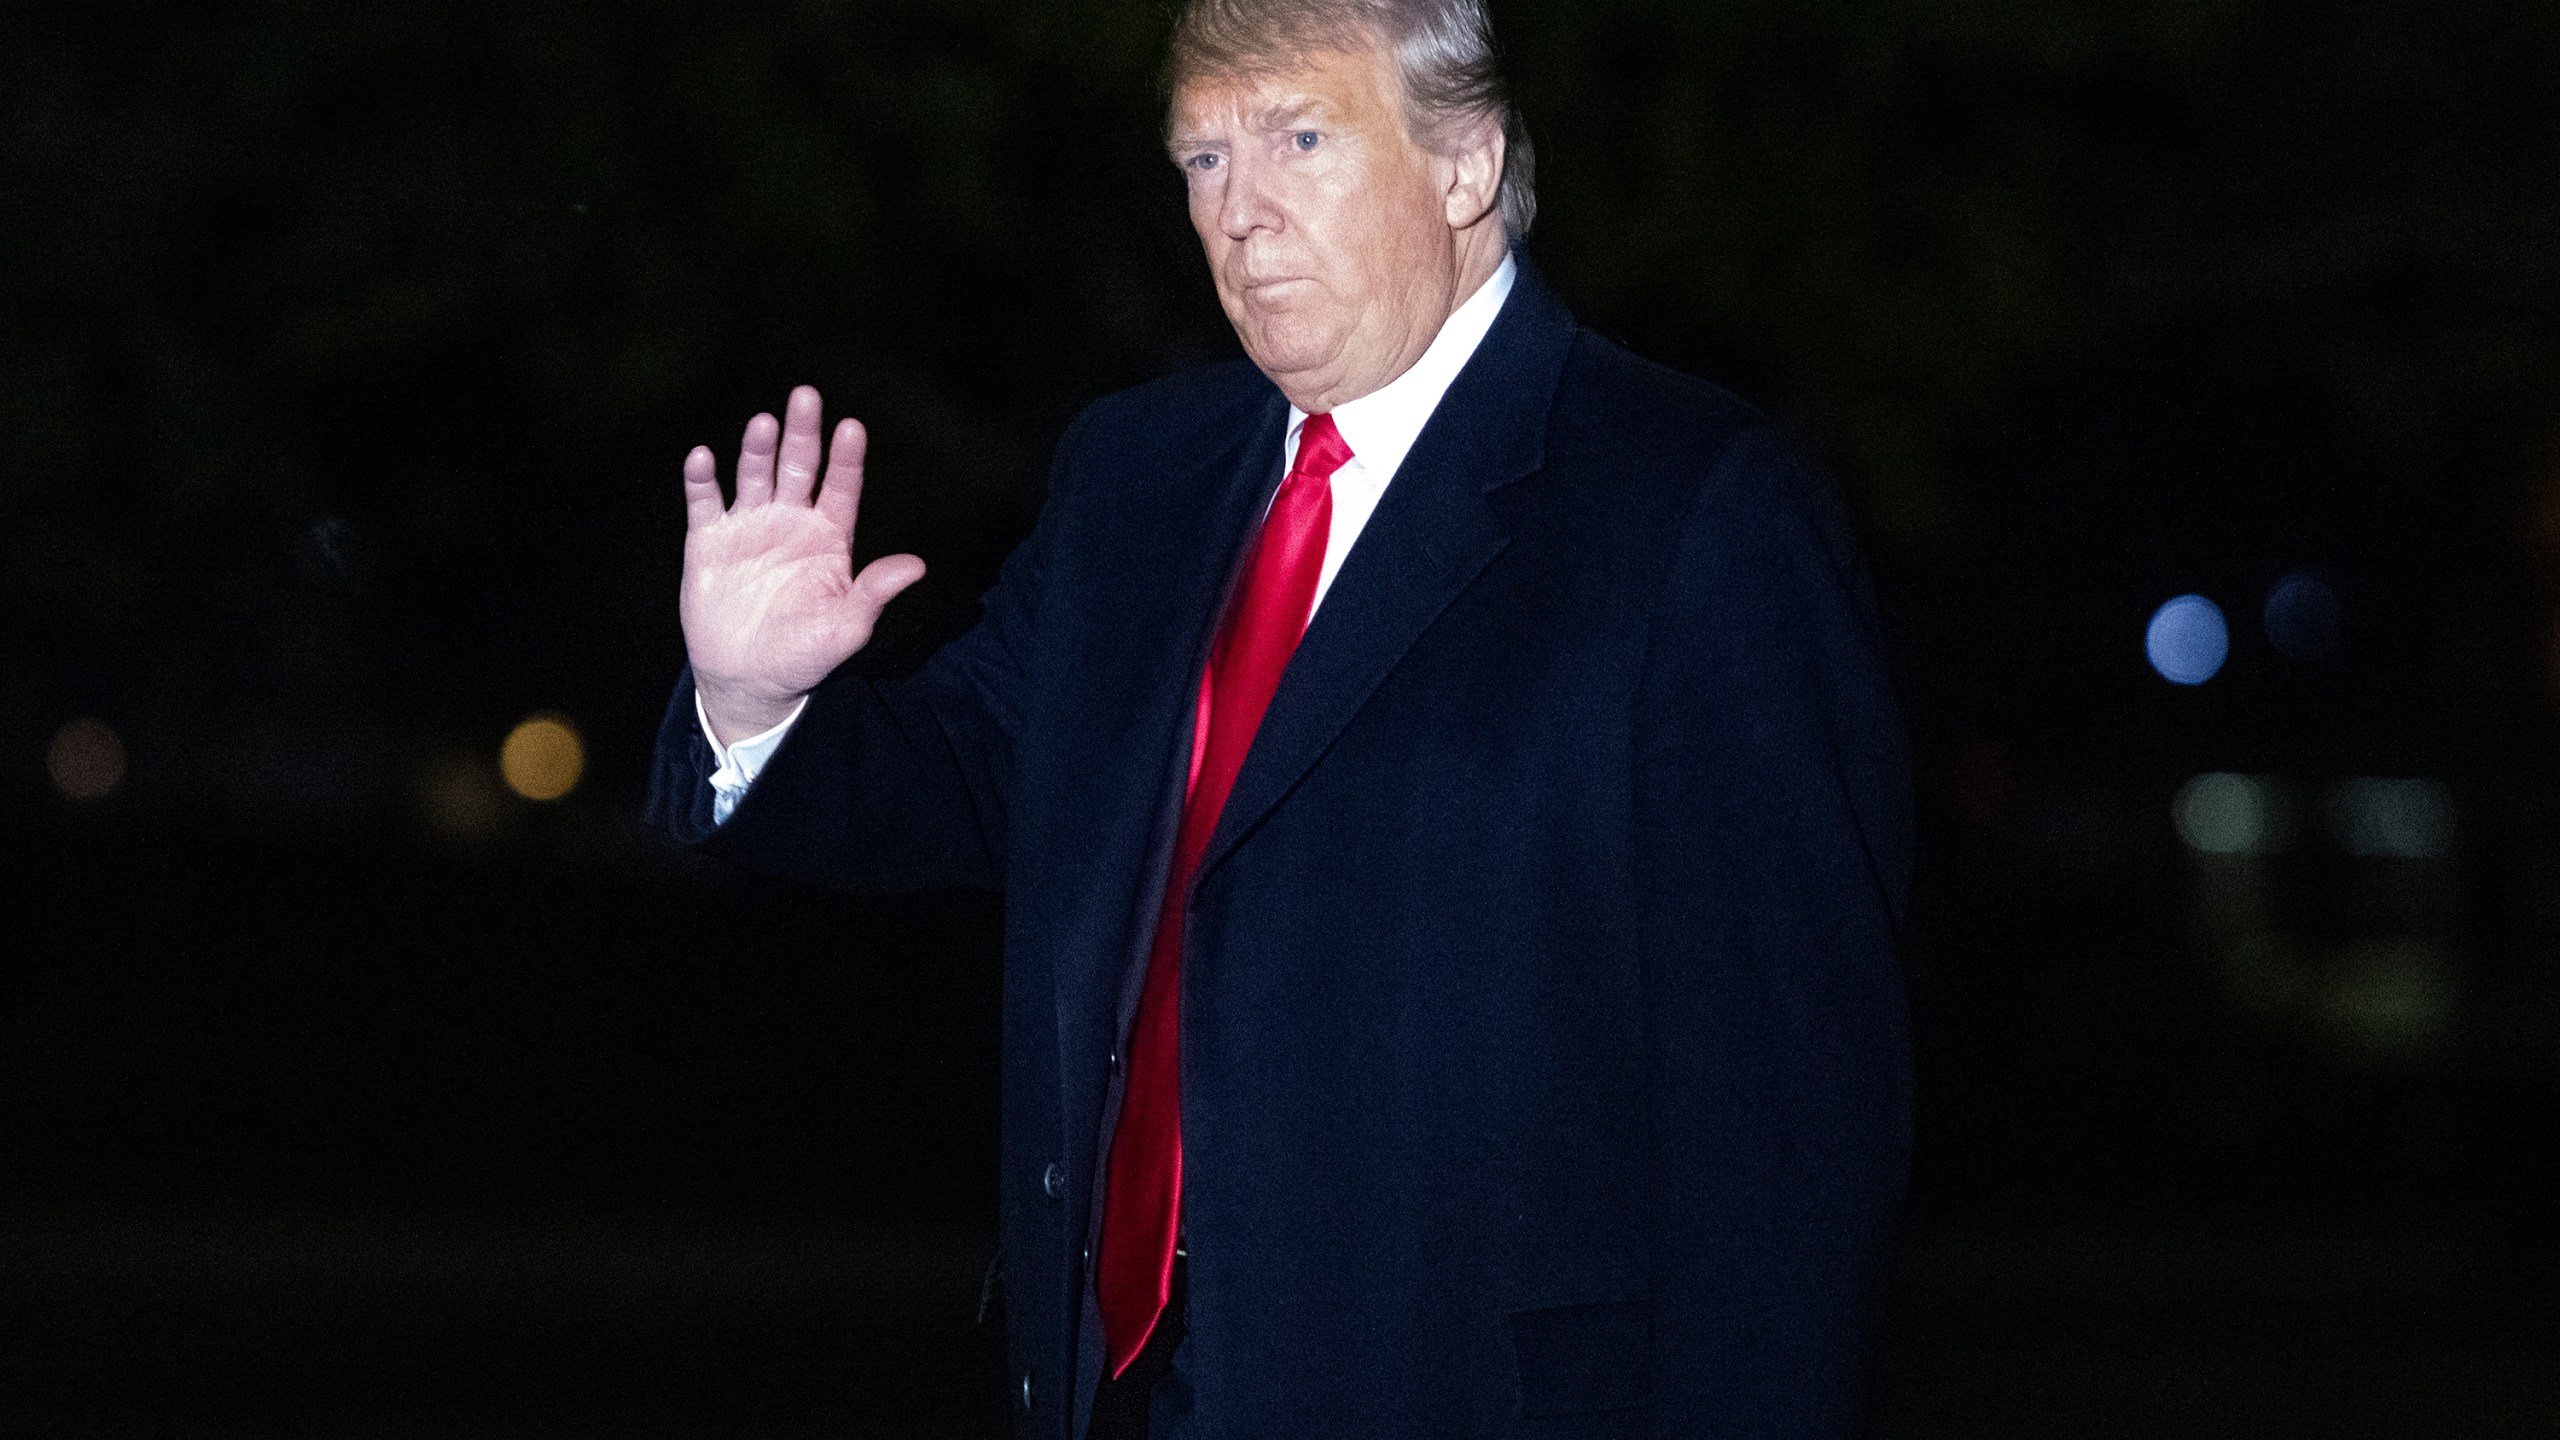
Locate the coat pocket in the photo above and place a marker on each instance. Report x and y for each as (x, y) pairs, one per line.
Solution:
(1577, 1359)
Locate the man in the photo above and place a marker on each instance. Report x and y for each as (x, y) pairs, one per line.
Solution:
(1450, 815)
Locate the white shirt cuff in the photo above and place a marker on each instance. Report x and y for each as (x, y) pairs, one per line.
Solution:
(740, 763)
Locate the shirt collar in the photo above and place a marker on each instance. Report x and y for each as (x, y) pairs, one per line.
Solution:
(1383, 424)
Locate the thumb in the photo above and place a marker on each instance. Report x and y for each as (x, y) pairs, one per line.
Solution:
(882, 579)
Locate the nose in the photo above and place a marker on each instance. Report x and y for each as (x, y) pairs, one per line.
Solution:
(1246, 203)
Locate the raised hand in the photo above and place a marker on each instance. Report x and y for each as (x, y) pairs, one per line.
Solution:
(770, 602)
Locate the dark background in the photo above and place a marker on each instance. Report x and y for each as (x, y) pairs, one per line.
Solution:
(347, 354)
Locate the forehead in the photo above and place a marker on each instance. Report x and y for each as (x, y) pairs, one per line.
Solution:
(1338, 86)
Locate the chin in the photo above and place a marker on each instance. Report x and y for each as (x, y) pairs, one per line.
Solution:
(1287, 344)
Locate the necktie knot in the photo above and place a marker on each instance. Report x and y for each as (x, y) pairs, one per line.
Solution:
(1321, 448)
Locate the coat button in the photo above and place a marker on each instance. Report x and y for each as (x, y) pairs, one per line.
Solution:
(1053, 1181)
(1026, 1389)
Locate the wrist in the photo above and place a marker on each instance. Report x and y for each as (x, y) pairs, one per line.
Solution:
(735, 714)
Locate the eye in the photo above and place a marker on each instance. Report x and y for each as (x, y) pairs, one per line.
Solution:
(1305, 140)
(1201, 163)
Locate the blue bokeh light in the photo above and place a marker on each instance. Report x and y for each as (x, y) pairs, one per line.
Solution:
(2302, 616)
(2187, 641)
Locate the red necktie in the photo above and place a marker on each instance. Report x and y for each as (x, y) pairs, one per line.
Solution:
(1142, 1191)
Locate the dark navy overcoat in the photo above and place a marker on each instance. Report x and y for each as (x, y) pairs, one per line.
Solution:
(1544, 1057)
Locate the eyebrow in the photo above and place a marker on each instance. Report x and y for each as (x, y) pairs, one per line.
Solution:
(1279, 115)
(1287, 113)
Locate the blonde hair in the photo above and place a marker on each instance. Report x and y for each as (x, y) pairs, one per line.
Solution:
(1443, 48)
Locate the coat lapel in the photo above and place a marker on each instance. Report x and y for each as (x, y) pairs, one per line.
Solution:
(1432, 534)
(1129, 768)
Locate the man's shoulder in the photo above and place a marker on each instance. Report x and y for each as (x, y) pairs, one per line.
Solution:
(1173, 414)
(1648, 414)
(1675, 444)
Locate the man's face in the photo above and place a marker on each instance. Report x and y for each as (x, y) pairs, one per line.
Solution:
(1328, 227)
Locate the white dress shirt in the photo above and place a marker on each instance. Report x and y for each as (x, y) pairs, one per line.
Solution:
(1380, 427)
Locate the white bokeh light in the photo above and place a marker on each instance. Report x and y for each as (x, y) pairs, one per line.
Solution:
(2394, 818)
(2223, 814)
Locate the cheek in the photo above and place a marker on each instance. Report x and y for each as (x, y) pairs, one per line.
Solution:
(1380, 227)
(1357, 245)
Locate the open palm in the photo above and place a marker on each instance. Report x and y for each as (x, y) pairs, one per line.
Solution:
(770, 602)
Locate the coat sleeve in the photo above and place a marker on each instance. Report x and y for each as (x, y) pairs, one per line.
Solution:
(1772, 855)
(885, 784)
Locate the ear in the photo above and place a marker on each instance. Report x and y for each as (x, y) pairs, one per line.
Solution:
(1474, 175)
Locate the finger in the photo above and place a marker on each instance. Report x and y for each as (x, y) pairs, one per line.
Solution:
(800, 421)
(701, 488)
(882, 579)
(755, 461)
(840, 499)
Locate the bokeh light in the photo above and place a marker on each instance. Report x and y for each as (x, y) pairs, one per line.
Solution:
(2394, 1000)
(2302, 616)
(543, 758)
(2221, 814)
(2187, 641)
(2398, 819)
(86, 760)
